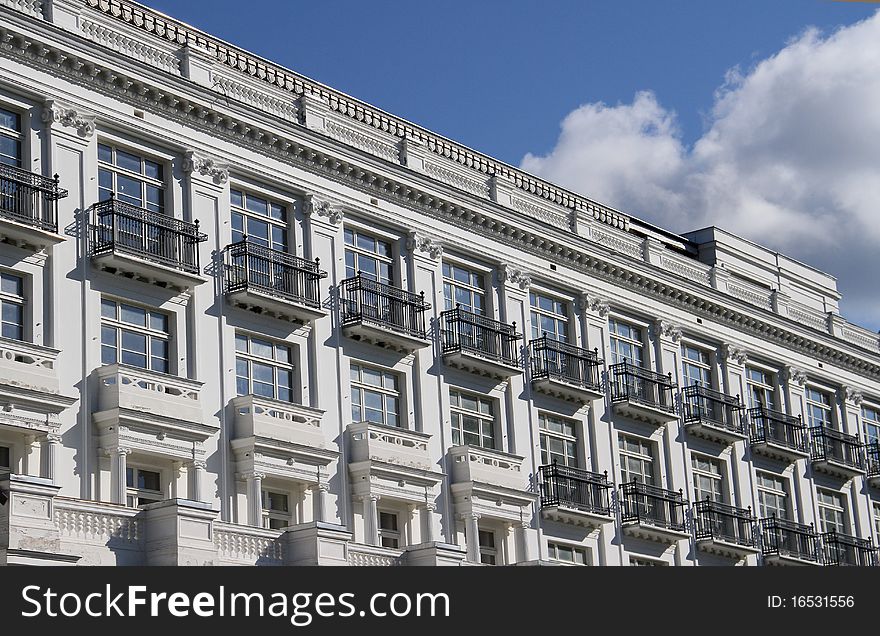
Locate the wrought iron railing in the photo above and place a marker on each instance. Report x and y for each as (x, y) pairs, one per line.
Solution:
(872, 457)
(119, 227)
(767, 426)
(575, 488)
(363, 299)
(551, 359)
(643, 503)
(705, 405)
(635, 384)
(715, 520)
(29, 198)
(843, 549)
(830, 445)
(248, 265)
(780, 537)
(473, 333)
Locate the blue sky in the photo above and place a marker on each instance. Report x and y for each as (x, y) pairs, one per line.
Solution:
(755, 115)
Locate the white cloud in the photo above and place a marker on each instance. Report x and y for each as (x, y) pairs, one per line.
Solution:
(790, 159)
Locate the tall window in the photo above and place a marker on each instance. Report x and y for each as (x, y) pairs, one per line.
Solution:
(142, 487)
(558, 438)
(772, 496)
(818, 408)
(695, 368)
(276, 510)
(263, 368)
(133, 178)
(389, 529)
(626, 343)
(708, 483)
(11, 306)
(549, 316)
(636, 459)
(5, 458)
(135, 336)
(567, 553)
(368, 255)
(263, 221)
(10, 138)
(876, 509)
(871, 419)
(465, 287)
(832, 511)
(473, 420)
(759, 384)
(488, 551)
(375, 396)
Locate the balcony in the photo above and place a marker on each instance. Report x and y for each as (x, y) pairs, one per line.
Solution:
(29, 209)
(777, 435)
(713, 415)
(725, 530)
(29, 380)
(565, 371)
(641, 394)
(788, 543)
(574, 496)
(143, 245)
(270, 282)
(835, 453)
(652, 513)
(872, 455)
(842, 549)
(479, 344)
(383, 315)
(489, 482)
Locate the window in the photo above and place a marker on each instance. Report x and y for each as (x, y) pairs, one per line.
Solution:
(695, 367)
(818, 408)
(759, 384)
(473, 420)
(375, 396)
(143, 487)
(636, 459)
(389, 530)
(647, 563)
(871, 419)
(10, 138)
(276, 510)
(772, 496)
(133, 178)
(135, 336)
(368, 255)
(567, 553)
(488, 551)
(11, 306)
(558, 440)
(708, 483)
(5, 458)
(876, 508)
(263, 368)
(626, 343)
(549, 316)
(464, 287)
(832, 511)
(263, 222)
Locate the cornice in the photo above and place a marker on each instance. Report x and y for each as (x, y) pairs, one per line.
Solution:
(304, 150)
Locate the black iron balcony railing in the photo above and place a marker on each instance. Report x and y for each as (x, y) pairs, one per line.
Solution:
(643, 503)
(715, 520)
(835, 446)
(706, 405)
(635, 384)
(30, 199)
(780, 537)
(551, 359)
(366, 300)
(767, 426)
(843, 549)
(119, 227)
(872, 457)
(575, 488)
(248, 265)
(473, 333)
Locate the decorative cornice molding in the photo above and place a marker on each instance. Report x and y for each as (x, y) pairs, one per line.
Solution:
(57, 113)
(419, 242)
(665, 329)
(197, 163)
(794, 375)
(734, 353)
(325, 209)
(514, 276)
(594, 304)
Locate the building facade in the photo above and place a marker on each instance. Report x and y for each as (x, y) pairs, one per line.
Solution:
(247, 319)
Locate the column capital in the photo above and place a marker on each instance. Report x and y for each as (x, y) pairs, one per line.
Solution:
(65, 116)
(664, 329)
(198, 163)
(514, 276)
(593, 304)
(324, 209)
(116, 451)
(430, 506)
(51, 438)
(253, 474)
(418, 241)
(469, 516)
(199, 464)
(794, 375)
(850, 394)
(734, 354)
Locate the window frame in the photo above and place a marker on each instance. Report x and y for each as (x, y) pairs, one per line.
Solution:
(135, 493)
(472, 289)
(687, 362)
(638, 344)
(718, 478)
(488, 553)
(270, 514)
(840, 508)
(17, 135)
(363, 387)
(119, 325)
(553, 552)
(242, 210)
(161, 183)
(16, 300)
(784, 492)
(393, 535)
(572, 438)
(359, 252)
(10, 457)
(870, 423)
(277, 365)
(457, 410)
(650, 457)
(810, 403)
(771, 388)
(537, 313)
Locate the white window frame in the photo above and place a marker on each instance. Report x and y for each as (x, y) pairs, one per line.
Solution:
(640, 561)
(16, 135)
(569, 440)
(359, 253)
(133, 494)
(615, 339)
(160, 183)
(820, 405)
(274, 514)
(278, 365)
(9, 458)
(490, 553)
(703, 366)
(147, 331)
(393, 535)
(283, 224)
(781, 490)
(559, 316)
(715, 475)
(871, 423)
(460, 412)
(766, 388)
(839, 507)
(648, 458)
(359, 389)
(553, 551)
(17, 300)
(474, 289)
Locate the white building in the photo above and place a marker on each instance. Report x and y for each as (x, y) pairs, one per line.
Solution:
(256, 321)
